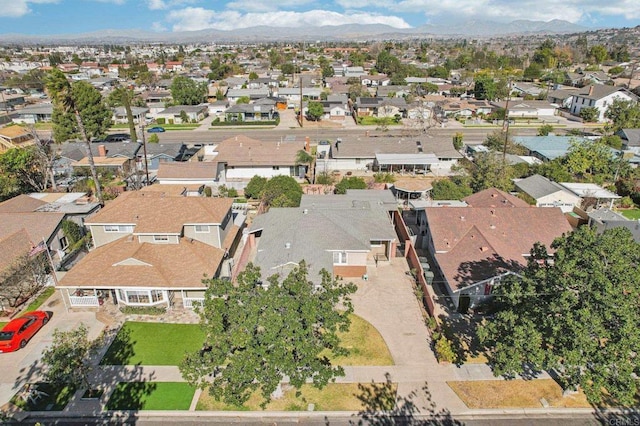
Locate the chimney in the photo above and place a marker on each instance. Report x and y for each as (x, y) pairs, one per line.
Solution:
(307, 144)
(102, 151)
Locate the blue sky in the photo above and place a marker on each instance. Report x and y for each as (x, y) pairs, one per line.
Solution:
(79, 16)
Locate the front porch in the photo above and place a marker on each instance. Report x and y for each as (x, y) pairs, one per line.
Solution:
(134, 297)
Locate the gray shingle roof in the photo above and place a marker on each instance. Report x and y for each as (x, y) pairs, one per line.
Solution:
(538, 186)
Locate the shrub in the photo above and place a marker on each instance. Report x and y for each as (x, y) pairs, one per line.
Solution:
(384, 178)
(324, 178)
(142, 310)
(626, 202)
(444, 350)
(154, 138)
(207, 191)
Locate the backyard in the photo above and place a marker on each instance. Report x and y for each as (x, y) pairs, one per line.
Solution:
(632, 214)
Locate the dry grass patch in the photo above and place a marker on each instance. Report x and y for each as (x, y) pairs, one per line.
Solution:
(365, 344)
(333, 397)
(515, 394)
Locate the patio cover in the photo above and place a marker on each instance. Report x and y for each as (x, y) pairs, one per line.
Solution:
(405, 159)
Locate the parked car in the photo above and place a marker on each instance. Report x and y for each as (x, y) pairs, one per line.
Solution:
(155, 129)
(17, 333)
(115, 137)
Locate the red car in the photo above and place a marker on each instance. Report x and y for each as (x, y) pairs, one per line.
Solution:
(19, 331)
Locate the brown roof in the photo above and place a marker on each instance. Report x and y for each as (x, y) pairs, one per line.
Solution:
(129, 263)
(172, 190)
(413, 184)
(21, 204)
(102, 161)
(187, 170)
(493, 197)
(244, 151)
(154, 212)
(13, 246)
(475, 243)
(38, 225)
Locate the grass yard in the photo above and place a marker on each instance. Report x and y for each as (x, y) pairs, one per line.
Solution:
(333, 397)
(151, 343)
(38, 301)
(151, 396)
(46, 397)
(632, 214)
(366, 345)
(515, 394)
(2, 324)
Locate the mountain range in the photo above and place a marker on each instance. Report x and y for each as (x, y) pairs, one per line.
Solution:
(350, 32)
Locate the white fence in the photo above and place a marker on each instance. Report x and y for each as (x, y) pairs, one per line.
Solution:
(84, 301)
(190, 302)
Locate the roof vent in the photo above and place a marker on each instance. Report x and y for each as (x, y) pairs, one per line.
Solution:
(483, 249)
(492, 226)
(462, 218)
(305, 211)
(287, 245)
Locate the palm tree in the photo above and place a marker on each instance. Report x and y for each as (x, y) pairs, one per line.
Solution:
(303, 157)
(61, 93)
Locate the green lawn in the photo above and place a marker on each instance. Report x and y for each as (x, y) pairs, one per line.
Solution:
(38, 301)
(151, 396)
(152, 343)
(2, 324)
(632, 214)
(52, 398)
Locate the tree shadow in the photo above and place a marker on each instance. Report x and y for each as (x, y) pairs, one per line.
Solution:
(118, 347)
(382, 407)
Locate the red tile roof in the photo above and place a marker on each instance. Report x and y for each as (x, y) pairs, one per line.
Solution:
(493, 197)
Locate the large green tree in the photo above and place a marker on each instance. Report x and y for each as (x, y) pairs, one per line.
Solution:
(587, 159)
(576, 313)
(450, 189)
(26, 167)
(490, 170)
(68, 361)
(485, 87)
(623, 114)
(259, 334)
(186, 91)
(79, 111)
(281, 191)
(315, 111)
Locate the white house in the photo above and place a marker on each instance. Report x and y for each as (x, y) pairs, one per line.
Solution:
(599, 96)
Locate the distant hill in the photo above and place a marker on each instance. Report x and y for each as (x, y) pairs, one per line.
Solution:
(351, 32)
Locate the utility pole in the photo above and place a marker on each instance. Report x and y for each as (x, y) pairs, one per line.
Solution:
(144, 150)
(301, 112)
(505, 122)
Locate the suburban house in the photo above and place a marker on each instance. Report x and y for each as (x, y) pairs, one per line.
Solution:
(40, 113)
(251, 112)
(528, 109)
(343, 234)
(238, 159)
(599, 96)
(380, 107)
(546, 148)
(194, 113)
(187, 173)
(411, 155)
(218, 107)
(475, 247)
(153, 249)
(548, 193)
(603, 219)
(591, 193)
(562, 96)
(630, 139)
(253, 94)
(24, 228)
(15, 137)
(120, 115)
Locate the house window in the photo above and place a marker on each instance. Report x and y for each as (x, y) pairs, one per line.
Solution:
(340, 257)
(161, 238)
(157, 295)
(202, 229)
(276, 167)
(63, 243)
(141, 297)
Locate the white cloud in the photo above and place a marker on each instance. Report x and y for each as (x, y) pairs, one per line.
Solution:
(158, 27)
(167, 4)
(506, 10)
(18, 8)
(197, 18)
(118, 2)
(265, 6)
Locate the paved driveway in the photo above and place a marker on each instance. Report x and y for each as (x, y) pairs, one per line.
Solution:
(23, 365)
